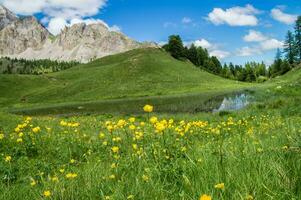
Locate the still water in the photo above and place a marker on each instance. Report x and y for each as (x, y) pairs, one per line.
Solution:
(233, 103)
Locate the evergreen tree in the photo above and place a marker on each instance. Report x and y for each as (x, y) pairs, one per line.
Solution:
(175, 47)
(290, 48)
(285, 67)
(217, 65)
(298, 38)
(193, 55)
(275, 69)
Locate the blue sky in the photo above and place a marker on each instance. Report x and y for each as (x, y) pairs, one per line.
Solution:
(237, 31)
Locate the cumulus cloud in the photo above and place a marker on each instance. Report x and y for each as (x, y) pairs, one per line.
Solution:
(57, 24)
(264, 43)
(271, 44)
(282, 17)
(213, 49)
(203, 43)
(235, 16)
(248, 51)
(254, 36)
(67, 9)
(59, 13)
(219, 54)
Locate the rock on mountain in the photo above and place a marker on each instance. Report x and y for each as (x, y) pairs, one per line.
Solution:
(6, 17)
(21, 34)
(27, 38)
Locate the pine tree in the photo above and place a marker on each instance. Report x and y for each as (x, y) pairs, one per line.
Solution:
(175, 47)
(290, 48)
(193, 55)
(298, 38)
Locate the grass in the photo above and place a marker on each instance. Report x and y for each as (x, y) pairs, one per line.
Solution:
(183, 154)
(137, 73)
(255, 153)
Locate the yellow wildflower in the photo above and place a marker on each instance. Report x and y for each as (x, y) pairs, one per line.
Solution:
(220, 186)
(135, 146)
(101, 135)
(72, 161)
(36, 129)
(47, 193)
(62, 170)
(249, 197)
(121, 123)
(132, 119)
(205, 197)
(71, 175)
(145, 178)
(19, 140)
(110, 128)
(7, 158)
(130, 197)
(1, 136)
(33, 182)
(112, 176)
(132, 127)
(153, 120)
(115, 149)
(148, 108)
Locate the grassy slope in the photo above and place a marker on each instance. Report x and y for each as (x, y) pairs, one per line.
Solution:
(137, 73)
(260, 158)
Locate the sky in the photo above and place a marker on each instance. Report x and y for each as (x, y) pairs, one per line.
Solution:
(234, 31)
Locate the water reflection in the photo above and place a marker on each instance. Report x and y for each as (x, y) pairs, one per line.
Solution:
(236, 102)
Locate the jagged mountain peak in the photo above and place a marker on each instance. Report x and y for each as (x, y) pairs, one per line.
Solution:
(26, 37)
(6, 17)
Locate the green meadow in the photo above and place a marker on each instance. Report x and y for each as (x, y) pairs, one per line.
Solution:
(82, 133)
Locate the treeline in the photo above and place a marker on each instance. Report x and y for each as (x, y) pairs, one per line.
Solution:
(197, 55)
(251, 71)
(22, 66)
(291, 55)
(200, 57)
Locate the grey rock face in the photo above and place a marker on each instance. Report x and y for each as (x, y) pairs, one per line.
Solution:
(27, 38)
(6, 17)
(22, 34)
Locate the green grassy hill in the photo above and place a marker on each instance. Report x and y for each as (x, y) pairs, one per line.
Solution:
(137, 73)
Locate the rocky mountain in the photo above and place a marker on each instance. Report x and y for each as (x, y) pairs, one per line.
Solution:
(6, 17)
(27, 38)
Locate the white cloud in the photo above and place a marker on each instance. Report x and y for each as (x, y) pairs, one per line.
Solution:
(264, 43)
(186, 20)
(235, 16)
(248, 51)
(57, 24)
(271, 44)
(280, 16)
(219, 54)
(67, 9)
(213, 49)
(203, 43)
(59, 13)
(254, 36)
(25, 7)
